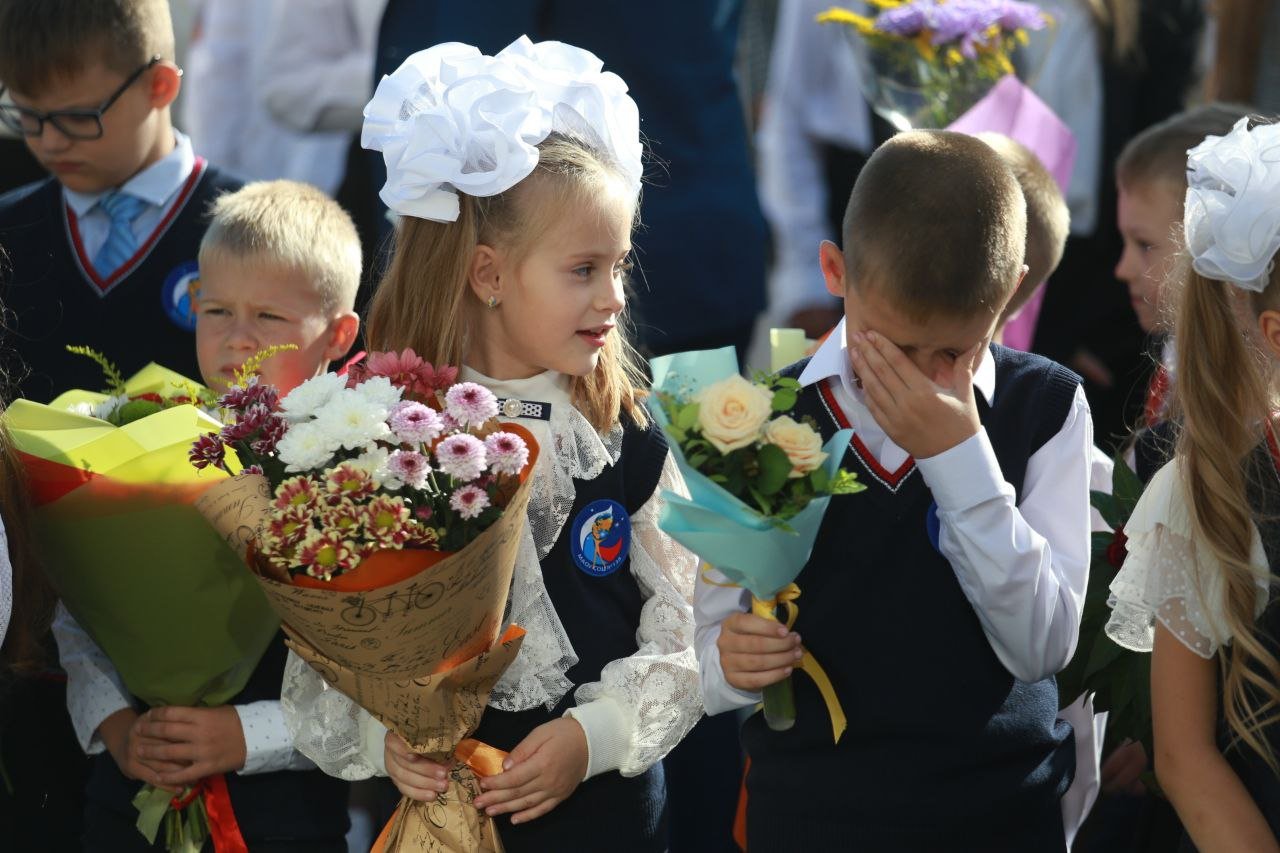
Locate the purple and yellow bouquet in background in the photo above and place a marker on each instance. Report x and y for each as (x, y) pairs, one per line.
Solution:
(923, 63)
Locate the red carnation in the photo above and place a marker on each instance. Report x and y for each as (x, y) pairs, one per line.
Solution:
(1119, 548)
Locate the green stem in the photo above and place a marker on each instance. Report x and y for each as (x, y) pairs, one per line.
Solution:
(780, 705)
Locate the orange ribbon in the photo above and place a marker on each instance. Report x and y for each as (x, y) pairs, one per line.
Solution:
(224, 829)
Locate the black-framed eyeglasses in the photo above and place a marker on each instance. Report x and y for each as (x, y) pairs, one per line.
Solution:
(73, 124)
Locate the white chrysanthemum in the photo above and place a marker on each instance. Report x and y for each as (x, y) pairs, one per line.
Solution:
(352, 421)
(309, 398)
(305, 447)
(83, 409)
(105, 409)
(375, 460)
(379, 391)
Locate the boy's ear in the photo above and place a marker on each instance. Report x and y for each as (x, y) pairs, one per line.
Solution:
(342, 334)
(831, 260)
(485, 276)
(166, 82)
(1269, 326)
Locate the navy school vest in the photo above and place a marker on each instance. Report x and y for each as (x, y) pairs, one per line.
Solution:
(52, 296)
(288, 805)
(945, 749)
(598, 602)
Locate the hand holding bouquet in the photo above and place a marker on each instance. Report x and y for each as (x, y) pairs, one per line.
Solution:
(759, 483)
(381, 514)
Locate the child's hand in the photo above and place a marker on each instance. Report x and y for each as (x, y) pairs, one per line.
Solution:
(205, 741)
(1123, 768)
(416, 776)
(541, 772)
(755, 652)
(921, 417)
(119, 733)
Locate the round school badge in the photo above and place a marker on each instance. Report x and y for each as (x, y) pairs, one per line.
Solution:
(600, 538)
(179, 294)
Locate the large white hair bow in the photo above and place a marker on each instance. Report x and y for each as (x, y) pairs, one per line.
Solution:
(1232, 213)
(451, 119)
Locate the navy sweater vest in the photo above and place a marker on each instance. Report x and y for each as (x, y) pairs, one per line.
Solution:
(285, 806)
(945, 749)
(53, 297)
(600, 614)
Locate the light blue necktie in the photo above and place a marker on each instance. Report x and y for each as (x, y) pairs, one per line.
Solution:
(121, 244)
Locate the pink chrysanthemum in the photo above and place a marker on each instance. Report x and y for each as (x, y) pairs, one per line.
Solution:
(421, 536)
(208, 450)
(507, 452)
(349, 481)
(469, 501)
(414, 423)
(386, 521)
(470, 404)
(297, 492)
(248, 423)
(407, 370)
(323, 555)
(461, 456)
(241, 397)
(273, 429)
(410, 467)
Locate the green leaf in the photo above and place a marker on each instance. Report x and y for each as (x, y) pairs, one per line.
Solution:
(845, 483)
(698, 460)
(775, 468)
(1126, 486)
(687, 417)
(820, 479)
(787, 383)
(1101, 542)
(1105, 652)
(784, 400)
(135, 410)
(1109, 508)
(719, 478)
(761, 501)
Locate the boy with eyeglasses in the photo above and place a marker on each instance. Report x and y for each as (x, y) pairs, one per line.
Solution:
(102, 253)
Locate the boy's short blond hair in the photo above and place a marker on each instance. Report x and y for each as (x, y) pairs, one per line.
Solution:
(1158, 155)
(293, 226)
(1048, 219)
(937, 224)
(47, 41)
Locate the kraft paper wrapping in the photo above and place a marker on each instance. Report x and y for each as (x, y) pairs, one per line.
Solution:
(420, 655)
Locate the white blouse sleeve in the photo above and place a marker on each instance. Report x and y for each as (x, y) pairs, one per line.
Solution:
(6, 584)
(644, 704)
(1171, 578)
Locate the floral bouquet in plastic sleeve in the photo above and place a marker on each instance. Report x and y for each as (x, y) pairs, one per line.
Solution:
(759, 483)
(922, 63)
(138, 566)
(381, 513)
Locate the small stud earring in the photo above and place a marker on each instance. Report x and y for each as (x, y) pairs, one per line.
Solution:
(493, 302)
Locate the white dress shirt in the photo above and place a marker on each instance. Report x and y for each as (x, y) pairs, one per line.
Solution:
(225, 111)
(95, 691)
(159, 185)
(1023, 567)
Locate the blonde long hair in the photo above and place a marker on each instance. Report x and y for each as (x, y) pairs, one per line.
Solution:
(424, 301)
(1225, 396)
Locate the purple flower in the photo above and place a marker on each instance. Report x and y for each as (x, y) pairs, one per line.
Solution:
(507, 453)
(273, 429)
(410, 467)
(253, 469)
(1021, 16)
(424, 512)
(241, 397)
(461, 456)
(469, 501)
(905, 21)
(470, 404)
(208, 450)
(414, 423)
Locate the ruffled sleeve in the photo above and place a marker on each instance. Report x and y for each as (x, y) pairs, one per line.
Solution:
(644, 704)
(1171, 578)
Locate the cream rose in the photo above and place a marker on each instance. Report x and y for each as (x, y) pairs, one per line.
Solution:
(800, 442)
(732, 412)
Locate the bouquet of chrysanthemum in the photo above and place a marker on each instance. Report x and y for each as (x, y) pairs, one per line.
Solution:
(381, 515)
(759, 483)
(134, 562)
(924, 62)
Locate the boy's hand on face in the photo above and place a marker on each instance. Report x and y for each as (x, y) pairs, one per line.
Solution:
(921, 417)
(206, 741)
(755, 652)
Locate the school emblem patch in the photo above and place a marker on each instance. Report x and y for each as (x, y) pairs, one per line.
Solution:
(179, 294)
(600, 538)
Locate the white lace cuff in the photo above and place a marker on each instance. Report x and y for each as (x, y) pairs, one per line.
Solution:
(1170, 578)
(328, 727)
